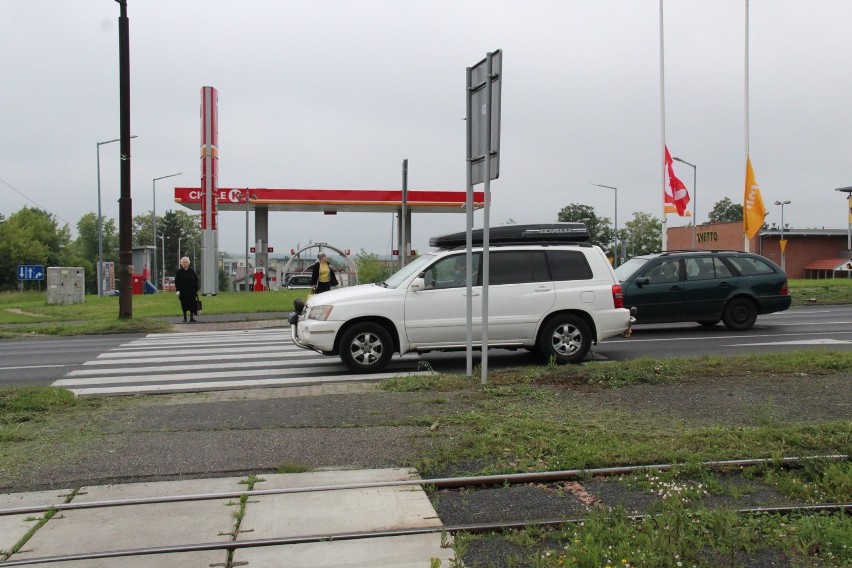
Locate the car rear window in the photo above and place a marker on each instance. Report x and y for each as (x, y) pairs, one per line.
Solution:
(568, 265)
(751, 265)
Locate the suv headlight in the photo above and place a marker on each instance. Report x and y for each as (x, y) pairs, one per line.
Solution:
(320, 313)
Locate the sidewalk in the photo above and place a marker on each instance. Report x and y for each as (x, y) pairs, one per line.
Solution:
(220, 322)
(216, 522)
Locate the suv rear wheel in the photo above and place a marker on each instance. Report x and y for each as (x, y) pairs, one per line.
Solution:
(366, 348)
(566, 338)
(740, 314)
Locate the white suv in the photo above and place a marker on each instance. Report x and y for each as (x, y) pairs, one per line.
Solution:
(547, 291)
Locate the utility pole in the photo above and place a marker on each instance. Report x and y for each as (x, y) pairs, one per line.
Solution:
(125, 203)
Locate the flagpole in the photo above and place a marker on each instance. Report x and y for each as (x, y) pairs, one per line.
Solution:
(746, 244)
(663, 131)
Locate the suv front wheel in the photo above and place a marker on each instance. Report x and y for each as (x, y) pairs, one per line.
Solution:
(566, 338)
(366, 348)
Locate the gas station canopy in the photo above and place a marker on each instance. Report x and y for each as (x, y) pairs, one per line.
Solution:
(331, 201)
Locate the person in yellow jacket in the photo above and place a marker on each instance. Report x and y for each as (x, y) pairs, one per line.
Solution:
(322, 275)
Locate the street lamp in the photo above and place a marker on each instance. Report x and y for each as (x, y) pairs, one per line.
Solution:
(100, 222)
(781, 242)
(615, 253)
(162, 240)
(154, 229)
(694, 195)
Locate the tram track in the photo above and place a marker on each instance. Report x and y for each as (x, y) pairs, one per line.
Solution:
(453, 484)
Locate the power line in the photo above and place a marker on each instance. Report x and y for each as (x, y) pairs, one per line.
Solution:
(10, 186)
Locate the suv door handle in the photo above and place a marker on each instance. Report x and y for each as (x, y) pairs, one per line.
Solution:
(675, 288)
(474, 293)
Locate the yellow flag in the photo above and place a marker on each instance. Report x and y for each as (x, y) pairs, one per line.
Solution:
(753, 209)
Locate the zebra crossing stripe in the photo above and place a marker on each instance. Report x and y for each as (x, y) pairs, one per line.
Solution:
(213, 361)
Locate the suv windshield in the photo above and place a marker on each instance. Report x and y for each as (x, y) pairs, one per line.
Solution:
(413, 267)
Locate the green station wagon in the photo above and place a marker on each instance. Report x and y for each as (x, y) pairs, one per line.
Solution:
(704, 287)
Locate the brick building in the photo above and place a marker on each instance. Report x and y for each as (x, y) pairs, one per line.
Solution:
(810, 253)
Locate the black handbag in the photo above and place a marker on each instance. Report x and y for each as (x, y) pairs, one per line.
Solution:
(197, 304)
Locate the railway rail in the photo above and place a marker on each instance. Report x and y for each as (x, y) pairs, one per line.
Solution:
(448, 483)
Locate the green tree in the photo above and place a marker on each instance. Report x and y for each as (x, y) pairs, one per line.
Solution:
(600, 228)
(182, 238)
(370, 268)
(84, 249)
(725, 211)
(642, 234)
(30, 236)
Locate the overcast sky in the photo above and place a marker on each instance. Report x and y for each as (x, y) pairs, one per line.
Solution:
(335, 94)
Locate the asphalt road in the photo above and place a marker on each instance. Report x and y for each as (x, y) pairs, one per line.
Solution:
(40, 361)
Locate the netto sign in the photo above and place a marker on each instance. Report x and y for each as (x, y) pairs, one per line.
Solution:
(707, 237)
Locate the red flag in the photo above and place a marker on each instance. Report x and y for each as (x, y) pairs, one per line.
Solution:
(676, 193)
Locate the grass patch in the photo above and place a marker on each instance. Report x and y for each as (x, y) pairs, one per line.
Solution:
(677, 535)
(293, 468)
(20, 404)
(829, 291)
(812, 481)
(27, 313)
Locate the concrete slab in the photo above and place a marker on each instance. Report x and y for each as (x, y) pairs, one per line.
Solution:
(14, 527)
(341, 511)
(178, 560)
(159, 489)
(411, 551)
(335, 477)
(140, 526)
(33, 499)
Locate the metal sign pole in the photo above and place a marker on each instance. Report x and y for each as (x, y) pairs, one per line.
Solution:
(486, 222)
(403, 241)
(469, 228)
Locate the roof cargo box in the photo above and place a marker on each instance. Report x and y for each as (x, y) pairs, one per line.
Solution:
(549, 233)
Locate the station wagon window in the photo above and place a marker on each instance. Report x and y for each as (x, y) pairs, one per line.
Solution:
(665, 272)
(568, 265)
(706, 268)
(751, 265)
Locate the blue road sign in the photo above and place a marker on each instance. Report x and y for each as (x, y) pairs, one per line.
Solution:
(30, 272)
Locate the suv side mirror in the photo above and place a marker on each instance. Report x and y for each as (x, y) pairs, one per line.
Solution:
(642, 281)
(418, 283)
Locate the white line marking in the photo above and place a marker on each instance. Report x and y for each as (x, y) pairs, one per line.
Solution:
(242, 355)
(826, 341)
(229, 384)
(176, 377)
(89, 372)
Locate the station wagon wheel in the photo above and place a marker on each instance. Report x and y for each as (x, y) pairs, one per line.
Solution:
(740, 314)
(366, 348)
(566, 338)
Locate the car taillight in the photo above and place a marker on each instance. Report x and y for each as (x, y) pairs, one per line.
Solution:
(784, 291)
(617, 296)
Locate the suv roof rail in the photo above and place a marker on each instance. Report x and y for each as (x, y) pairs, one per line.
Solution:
(548, 233)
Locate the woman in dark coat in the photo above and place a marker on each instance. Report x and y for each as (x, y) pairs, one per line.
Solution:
(322, 275)
(186, 284)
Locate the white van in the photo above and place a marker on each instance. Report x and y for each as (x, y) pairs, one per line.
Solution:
(547, 292)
